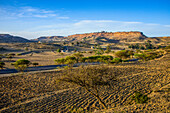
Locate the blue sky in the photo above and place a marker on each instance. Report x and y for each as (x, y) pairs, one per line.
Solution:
(34, 18)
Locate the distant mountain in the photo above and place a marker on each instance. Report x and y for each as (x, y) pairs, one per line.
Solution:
(6, 38)
(51, 38)
(96, 37)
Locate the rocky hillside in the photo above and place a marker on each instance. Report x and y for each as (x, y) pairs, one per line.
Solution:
(6, 38)
(51, 38)
(109, 36)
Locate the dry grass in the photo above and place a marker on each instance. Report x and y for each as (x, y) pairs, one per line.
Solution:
(44, 58)
(40, 93)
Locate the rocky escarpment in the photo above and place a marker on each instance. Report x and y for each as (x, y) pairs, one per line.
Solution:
(106, 36)
(6, 38)
(51, 38)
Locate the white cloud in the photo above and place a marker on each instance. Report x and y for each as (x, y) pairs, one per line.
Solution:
(87, 26)
(29, 12)
(167, 25)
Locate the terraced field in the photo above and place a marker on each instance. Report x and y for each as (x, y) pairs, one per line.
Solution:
(40, 92)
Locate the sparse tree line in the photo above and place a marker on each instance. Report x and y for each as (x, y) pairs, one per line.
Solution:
(20, 64)
(79, 58)
(145, 46)
(120, 56)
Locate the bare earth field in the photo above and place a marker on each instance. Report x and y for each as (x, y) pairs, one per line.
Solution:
(39, 92)
(43, 58)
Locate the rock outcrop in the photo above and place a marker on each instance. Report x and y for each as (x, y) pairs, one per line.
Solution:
(6, 38)
(128, 36)
(51, 38)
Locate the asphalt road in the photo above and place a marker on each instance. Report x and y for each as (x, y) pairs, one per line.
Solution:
(42, 68)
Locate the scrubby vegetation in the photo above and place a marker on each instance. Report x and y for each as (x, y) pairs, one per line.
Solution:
(149, 55)
(78, 57)
(138, 97)
(147, 45)
(21, 64)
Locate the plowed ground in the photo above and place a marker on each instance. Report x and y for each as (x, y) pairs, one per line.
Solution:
(40, 93)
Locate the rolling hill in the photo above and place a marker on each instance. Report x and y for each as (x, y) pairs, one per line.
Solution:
(6, 38)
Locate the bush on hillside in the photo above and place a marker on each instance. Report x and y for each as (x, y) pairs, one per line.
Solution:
(139, 98)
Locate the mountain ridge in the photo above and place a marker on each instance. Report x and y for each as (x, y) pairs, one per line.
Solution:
(7, 38)
(109, 37)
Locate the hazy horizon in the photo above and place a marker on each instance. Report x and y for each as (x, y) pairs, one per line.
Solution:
(31, 19)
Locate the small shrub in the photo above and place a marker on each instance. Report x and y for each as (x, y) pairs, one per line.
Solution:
(83, 59)
(19, 54)
(2, 64)
(139, 98)
(116, 60)
(35, 64)
(90, 51)
(58, 50)
(61, 54)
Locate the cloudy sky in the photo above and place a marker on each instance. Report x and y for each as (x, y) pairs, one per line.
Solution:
(35, 18)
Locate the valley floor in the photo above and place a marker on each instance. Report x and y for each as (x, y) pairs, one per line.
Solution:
(40, 93)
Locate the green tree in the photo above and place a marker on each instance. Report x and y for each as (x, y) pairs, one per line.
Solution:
(149, 45)
(58, 50)
(26, 49)
(2, 64)
(122, 54)
(78, 56)
(21, 64)
(60, 61)
(108, 49)
(77, 43)
(130, 46)
(137, 46)
(70, 60)
(131, 53)
(116, 60)
(72, 43)
(142, 47)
